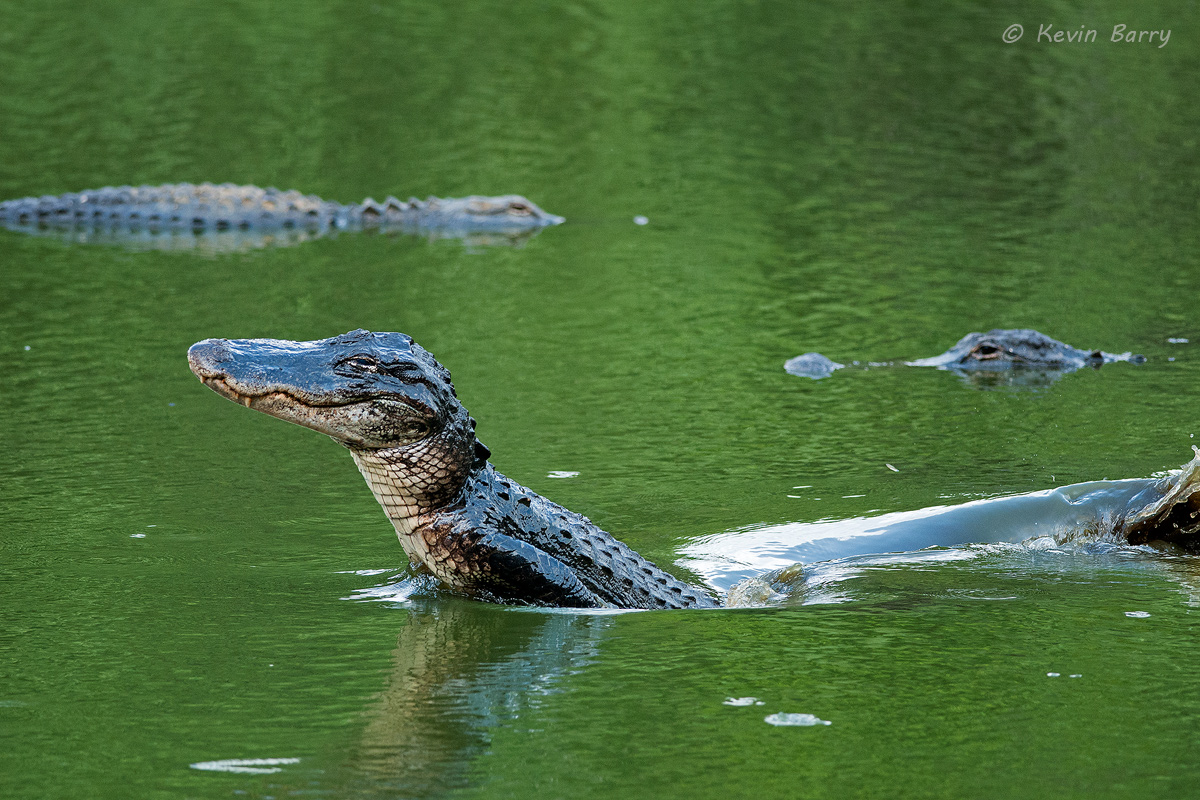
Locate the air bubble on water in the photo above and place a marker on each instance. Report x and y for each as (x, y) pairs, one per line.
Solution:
(740, 701)
(1137, 614)
(640, 220)
(1053, 674)
(562, 473)
(803, 720)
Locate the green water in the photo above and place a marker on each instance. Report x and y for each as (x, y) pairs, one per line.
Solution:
(177, 573)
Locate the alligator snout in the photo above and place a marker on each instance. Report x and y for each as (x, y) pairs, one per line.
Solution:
(208, 358)
(210, 361)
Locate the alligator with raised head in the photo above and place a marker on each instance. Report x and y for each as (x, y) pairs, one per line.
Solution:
(393, 406)
(182, 214)
(1012, 353)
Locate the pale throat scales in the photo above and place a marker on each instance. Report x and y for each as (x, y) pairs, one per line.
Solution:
(400, 496)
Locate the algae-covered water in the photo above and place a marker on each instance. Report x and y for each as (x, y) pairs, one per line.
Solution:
(189, 588)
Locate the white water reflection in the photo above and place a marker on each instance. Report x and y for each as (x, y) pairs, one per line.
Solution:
(1049, 516)
(252, 766)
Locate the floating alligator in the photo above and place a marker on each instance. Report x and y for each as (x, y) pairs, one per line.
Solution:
(393, 406)
(1020, 353)
(231, 217)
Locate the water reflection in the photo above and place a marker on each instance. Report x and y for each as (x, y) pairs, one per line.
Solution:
(983, 572)
(224, 242)
(460, 670)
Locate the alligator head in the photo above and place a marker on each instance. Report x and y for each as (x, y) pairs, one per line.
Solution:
(1020, 348)
(509, 212)
(381, 395)
(1004, 349)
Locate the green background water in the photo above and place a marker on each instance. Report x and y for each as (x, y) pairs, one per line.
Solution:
(867, 181)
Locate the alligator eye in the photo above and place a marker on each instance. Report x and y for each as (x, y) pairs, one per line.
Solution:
(520, 209)
(361, 363)
(987, 350)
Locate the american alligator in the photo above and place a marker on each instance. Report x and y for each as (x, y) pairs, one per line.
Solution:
(180, 214)
(393, 406)
(390, 403)
(1020, 351)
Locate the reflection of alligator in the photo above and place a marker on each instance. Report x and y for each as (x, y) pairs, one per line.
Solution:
(393, 406)
(1019, 350)
(460, 670)
(204, 216)
(388, 401)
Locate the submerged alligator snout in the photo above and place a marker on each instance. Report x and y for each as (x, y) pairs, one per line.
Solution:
(389, 402)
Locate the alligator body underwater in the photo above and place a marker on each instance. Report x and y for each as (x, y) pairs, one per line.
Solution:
(1002, 355)
(393, 406)
(185, 215)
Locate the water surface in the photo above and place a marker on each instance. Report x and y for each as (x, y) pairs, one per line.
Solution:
(869, 183)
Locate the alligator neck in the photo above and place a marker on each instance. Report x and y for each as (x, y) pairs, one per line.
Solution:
(401, 496)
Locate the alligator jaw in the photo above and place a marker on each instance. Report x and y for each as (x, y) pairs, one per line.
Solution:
(220, 385)
(205, 359)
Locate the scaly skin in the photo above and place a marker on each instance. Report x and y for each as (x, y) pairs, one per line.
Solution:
(393, 406)
(227, 207)
(1002, 348)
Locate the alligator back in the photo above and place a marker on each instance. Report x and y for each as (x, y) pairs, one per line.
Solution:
(176, 206)
(164, 217)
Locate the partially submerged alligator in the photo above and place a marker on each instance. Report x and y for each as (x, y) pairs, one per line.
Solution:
(1020, 350)
(393, 406)
(182, 213)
